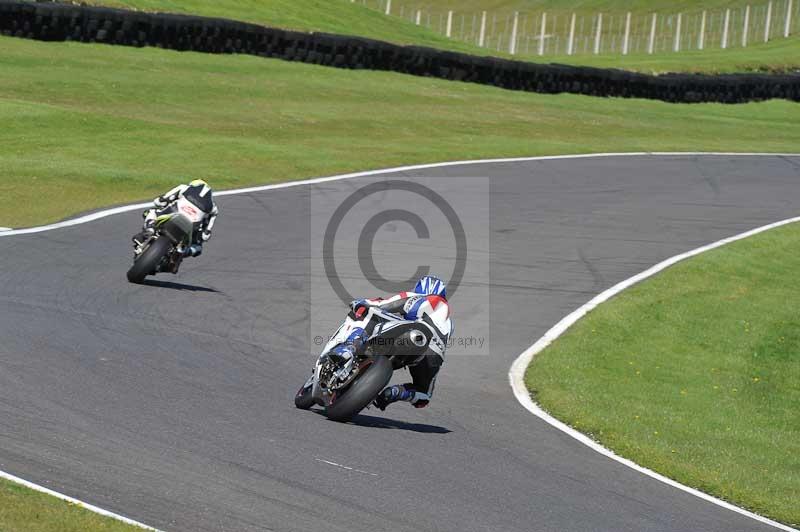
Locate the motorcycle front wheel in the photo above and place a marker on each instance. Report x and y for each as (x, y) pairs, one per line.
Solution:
(303, 399)
(363, 391)
(145, 264)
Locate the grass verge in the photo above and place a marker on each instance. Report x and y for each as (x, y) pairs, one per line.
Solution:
(341, 16)
(86, 126)
(23, 509)
(693, 374)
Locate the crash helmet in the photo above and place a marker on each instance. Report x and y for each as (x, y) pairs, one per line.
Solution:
(199, 183)
(430, 285)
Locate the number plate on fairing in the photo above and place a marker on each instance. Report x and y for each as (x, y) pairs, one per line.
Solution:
(186, 208)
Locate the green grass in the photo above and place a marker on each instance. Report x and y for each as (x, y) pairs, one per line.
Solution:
(782, 55)
(332, 16)
(341, 16)
(694, 374)
(618, 6)
(25, 510)
(86, 126)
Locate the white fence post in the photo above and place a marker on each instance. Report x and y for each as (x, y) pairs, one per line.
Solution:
(512, 45)
(676, 47)
(701, 39)
(652, 43)
(388, 7)
(449, 30)
(597, 34)
(626, 40)
(788, 26)
(725, 25)
(571, 41)
(542, 33)
(746, 25)
(482, 36)
(768, 23)
(419, 17)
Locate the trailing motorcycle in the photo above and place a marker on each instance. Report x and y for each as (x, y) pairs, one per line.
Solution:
(345, 387)
(174, 232)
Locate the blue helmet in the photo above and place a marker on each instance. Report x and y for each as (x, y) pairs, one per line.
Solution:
(430, 285)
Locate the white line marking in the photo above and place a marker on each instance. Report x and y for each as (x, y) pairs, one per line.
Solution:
(5, 229)
(519, 387)
(76, 502)
(126, 208)
(517, 372)
(345, 467)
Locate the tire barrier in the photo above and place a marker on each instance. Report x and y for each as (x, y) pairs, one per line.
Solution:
(47, 21)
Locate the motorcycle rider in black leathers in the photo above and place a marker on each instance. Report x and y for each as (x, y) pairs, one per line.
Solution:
(200, 194)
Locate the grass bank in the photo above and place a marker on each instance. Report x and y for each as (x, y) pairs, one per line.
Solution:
(86, 126)
(694, 374)
(23, 509)
(344, 17)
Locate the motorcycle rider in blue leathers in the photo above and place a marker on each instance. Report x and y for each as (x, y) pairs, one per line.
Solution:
(429, 296)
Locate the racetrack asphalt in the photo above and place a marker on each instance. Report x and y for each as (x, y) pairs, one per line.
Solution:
(171, 402)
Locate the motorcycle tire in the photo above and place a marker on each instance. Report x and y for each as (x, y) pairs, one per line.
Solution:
(145, 264)
(303, 399)
(363, 391)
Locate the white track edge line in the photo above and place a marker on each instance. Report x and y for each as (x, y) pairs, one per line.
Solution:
(517, 372)
(126, 208)
(520, 393)
(76, 502)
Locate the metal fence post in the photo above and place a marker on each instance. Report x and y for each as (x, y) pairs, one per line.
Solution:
(725, 25)
(652, 42)
(388, 7)
(571, 41)
(512, 45)
(597, 34)
(542, 32)
(625, 41)
(676, 46)
(482, 36)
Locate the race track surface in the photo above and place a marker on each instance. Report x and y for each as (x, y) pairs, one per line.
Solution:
(171, 403)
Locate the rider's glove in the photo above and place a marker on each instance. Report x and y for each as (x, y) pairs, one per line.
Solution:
(160, 202)
(205, 235)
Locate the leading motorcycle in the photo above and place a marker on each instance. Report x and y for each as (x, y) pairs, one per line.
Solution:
(174, 231)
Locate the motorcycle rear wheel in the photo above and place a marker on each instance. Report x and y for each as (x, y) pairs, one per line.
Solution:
(363, 391)
(145, 264)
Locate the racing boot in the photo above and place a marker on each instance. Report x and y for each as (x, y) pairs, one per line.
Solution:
(195, 250)
(392, 394)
